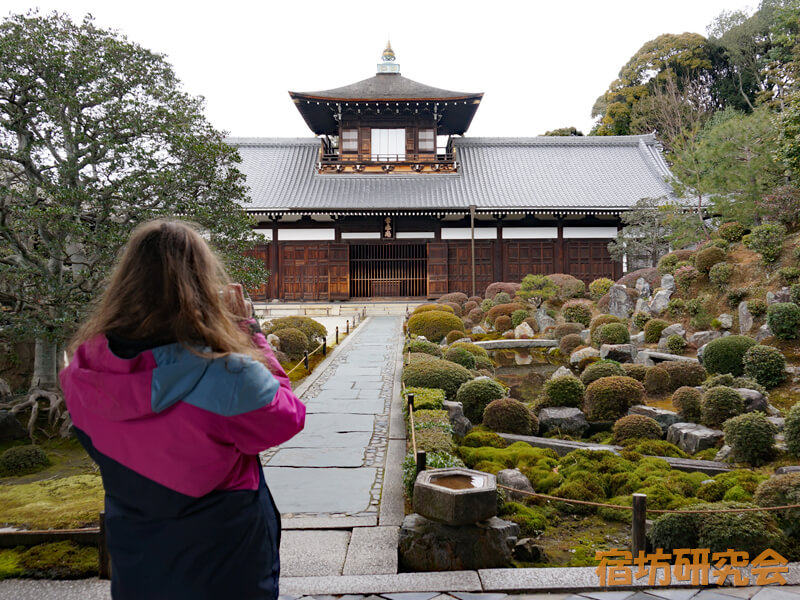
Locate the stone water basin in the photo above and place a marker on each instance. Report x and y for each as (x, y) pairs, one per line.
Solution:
(456, 496)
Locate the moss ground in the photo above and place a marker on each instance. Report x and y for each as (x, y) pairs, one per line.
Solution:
(575, 539)
(62, 503)
(60, 560)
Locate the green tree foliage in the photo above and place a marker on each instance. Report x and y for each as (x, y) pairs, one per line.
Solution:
(96, 136)
(564, 131)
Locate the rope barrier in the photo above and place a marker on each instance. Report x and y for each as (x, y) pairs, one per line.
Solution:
(304, 360)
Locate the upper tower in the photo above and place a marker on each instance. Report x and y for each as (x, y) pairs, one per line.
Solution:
(387, 123)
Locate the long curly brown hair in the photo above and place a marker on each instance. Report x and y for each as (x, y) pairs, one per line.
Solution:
(168, 287)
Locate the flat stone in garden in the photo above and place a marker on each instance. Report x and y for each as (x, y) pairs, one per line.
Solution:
(674, 329)
(656, 357)
(311, 490)
(725, 320)
(313, 457)
(701, 338)
(577, 356)
(664, 417)
(763, 333)
(619, 352)
(691, 437)
(372, 550)
(313, 552)
(323, 439)
(514, 478)
(506, 344)
(338, 423)
(787, 469)
(568, 420)
(562, 371)
(354, 406)
(753, 400)
(779, 422)
(523, 330)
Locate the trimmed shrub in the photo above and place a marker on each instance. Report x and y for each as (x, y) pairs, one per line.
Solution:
(502, 323)
(687, 401)
(499, 286)
(314, 331)
(757, 306)
(501, 298)
(566, 329)
(794, 292)
(293, 342)
(656, 381)
(765, 364)
(459, 298)
(474, 349)
(791, 430)
(475, 315)
(434, 460)
(518, 316)
(507, 415)
(565, 390)
(720, 404)
(461, 356)
(568, 286)
(676, 307)
(468, 324)
(735, 296)
(434, 324)
(720, 274)
(428, 307)
(767, 240)
(782, 490)
(731, 232)
(658, 448)
(612, 333)
(420, 356)
(569, 342)
(685, 276)
(789, 275)
(454, 335)
(676, 344)
(503, 310)
(469, 306)
(637, 371)
(598, 322)
(708, 257)
(487, 305)
(424, 346)
(601, 368)
(434, 440)
(783, 319)
(725, 354)
(21, 460)
(636, 427)
(669, 262)
(479, 439)
(751, 438)
(425, 398)
(535, 287)
(475, 396)
(728, 380)
(483, 363)
(442, 374)
(577, 311)
(609, 398)
(640, 319)
(599, 288)
(653, 329)
(531, 521)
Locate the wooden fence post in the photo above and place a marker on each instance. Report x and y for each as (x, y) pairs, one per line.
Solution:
(347, 326)
(324, 346)
(305, 359)
(103, 557)
(638, 539)
(337, 334)
(421, 462)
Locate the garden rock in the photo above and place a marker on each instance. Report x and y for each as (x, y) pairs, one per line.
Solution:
(663, 417)
(642, 287)
(642, 305)
(723, 454)
(527, 550)
(455, 413)
(619, 303)
(753, 400)
(649, 358)
(701, 338)
(725, 320)
(543, 320)
(274, 341)
(782, 295)
(426, 545)
(577, 356)
(763, 333)
(523, 330)
(618, 352)
(772, 411)
(514, 478)
(586, 336)
(745, 318)
(779, 422)
(10, 427)
(668, 283)
(478, 329)
(691, 437)
(561, 372)
(567, 420)
(660, 301)
(638, 338)
(787, 469)
(674, 329)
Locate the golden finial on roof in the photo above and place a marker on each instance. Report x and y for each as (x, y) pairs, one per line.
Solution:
(388, 53)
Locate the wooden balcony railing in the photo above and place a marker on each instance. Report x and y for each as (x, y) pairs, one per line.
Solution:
(423, 158)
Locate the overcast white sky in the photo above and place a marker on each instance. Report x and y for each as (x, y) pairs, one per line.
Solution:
(540, 63)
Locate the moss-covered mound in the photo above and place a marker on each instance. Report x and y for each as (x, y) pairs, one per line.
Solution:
(434, 324)
(436, 373)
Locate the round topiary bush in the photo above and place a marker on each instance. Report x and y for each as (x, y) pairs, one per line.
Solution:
(791, 430)
(656, 381)
(669, 262)
(503, 310)
(653, 329)
(518, 316)
(469, 306)
(501, 298)
(599, 321)
(612, 333)
(502, 323)
(767, 240)
(599, 288)
(565, 390)
(676, 344)
(474, 349)
(428, 307)
(293, 342)
(757, 307)
(456, 307)
(569, 342)
(720, 404)
(765, 364)
(454, 335)
(783, 319)
(731, 232)
(475, 315)
(442, 374)
(506, 415)
(566, 329)
(459, 298)
(720, 274)
(601, 368)
(640, 319)
(636, 427)
(424, 346)
(461, 356)
(609, 398)
(21, 460)
(751, 438)
(314, 331)
(682, 372)
(434, 324)
(577, 311)
(685, 276)
(476, 395)
(478, 439)
(637, 371)
(782, 490)
(708, 257)
(687, 401)
(487, 305)
(725, 354)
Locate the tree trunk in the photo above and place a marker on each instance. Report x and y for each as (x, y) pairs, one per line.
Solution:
(45, 375)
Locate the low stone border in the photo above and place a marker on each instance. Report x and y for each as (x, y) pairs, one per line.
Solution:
(511, 344)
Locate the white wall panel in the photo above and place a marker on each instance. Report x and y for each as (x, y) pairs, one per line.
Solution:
(464, 233)
(590, 232)
(303, 235)
(530, 233)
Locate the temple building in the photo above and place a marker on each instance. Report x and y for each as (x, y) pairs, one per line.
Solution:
(391, 200)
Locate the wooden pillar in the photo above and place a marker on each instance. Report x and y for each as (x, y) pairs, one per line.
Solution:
(561, 261)
(498, 253)
(273, 289)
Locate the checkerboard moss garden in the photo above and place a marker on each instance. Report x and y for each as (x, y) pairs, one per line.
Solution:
(735, 381)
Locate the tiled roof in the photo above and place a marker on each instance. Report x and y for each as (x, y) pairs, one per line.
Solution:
(536, 174)
(385, 86)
